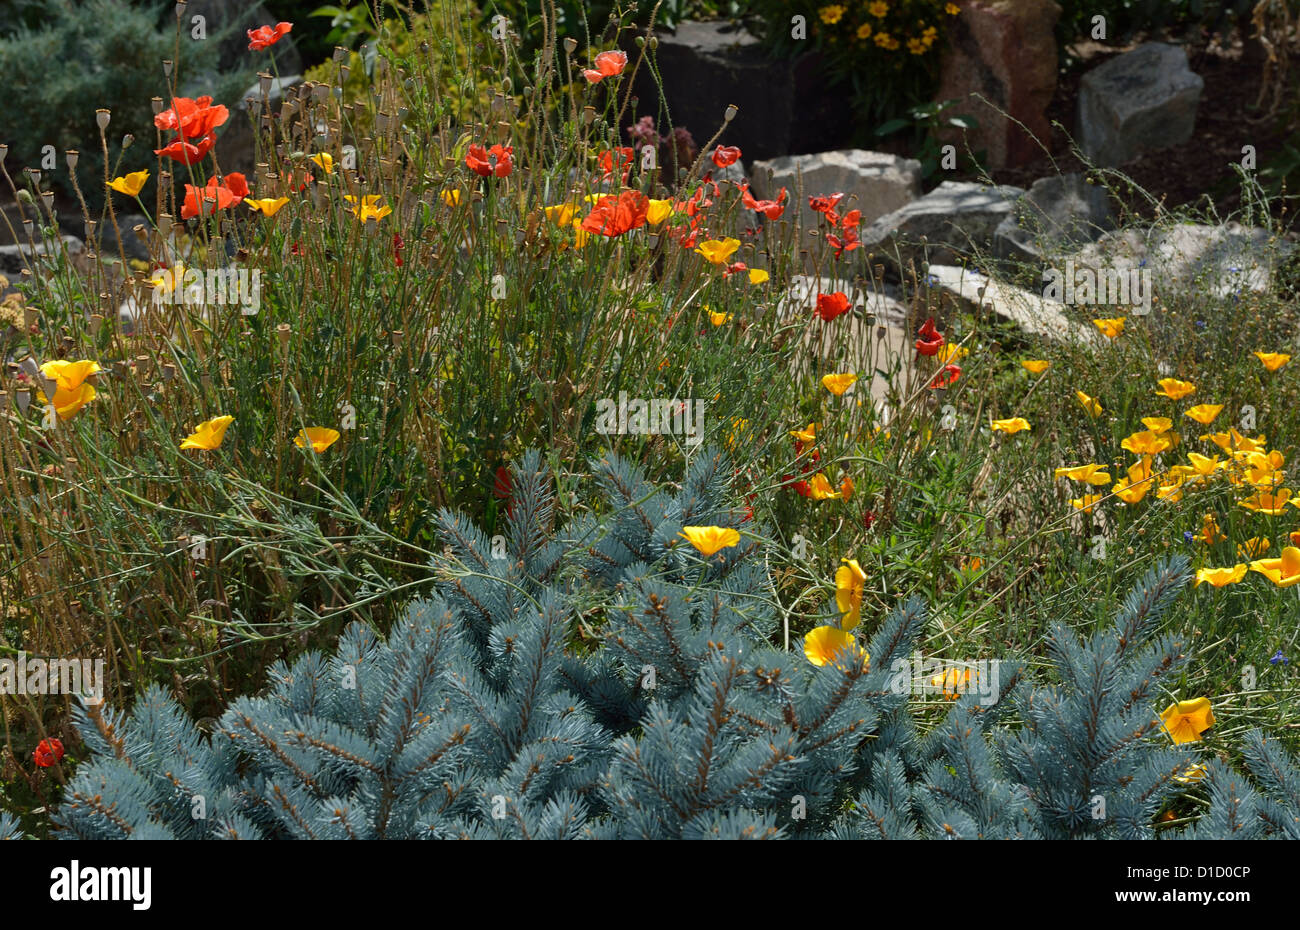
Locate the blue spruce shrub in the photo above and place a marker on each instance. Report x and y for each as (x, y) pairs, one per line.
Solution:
(603, 681)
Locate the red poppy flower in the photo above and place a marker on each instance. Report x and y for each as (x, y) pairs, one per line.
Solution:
(498, 160)
(296, 188)
(502, 485)
(266, 36)
(619, 159)
(825, 203)
(188, 153)
(608, 64)
(48, 752)
(946, 376)
(398, 245)
(803, 488)
(215, 195)
(931, 340)
(829, 306)
(868, 518)
(851, 219)
(193, 119)
(725, 155)
(772, 209)
(613, 216)
(847, 244)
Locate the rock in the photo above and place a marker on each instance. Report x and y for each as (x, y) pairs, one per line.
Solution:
(237, 144)
(1031, 312)
(781, 104)
(957, 218)
(1137, 102)
(132, 244)
(14, 258)
(1004, 51)
(1057, 214)
(1221, 261)
(228, 21)
(874, 182)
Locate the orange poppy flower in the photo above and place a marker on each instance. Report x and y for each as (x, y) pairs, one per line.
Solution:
(498, 160)
(608, 64)
(613, 216)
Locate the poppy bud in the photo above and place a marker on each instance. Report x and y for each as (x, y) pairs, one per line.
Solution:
(640, 41)
(127, 140)
(654, 43)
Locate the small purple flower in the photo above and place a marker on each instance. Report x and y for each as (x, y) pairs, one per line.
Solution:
(1278, 657)
(1188, 536)
(1200, 324)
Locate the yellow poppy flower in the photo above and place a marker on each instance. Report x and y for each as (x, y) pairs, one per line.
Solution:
(709, 539)
(1085, 503)
(1210, 532)
(658, 211)
(1283, 571)
(451, 197)
(1203, 465)
(1158, 424)
(1035, 366)
(718, 251)
(1271, 503)
(1174, 389)
(1131, 492)
(1092, 474)
(1192, 773)
(806, 436)
(208, 434)
(1273, 360)
(1185, 721)
(1110, 328)
(369, 207)
(952, 682)
(1146, 443)
(319, 438)
(849, 582)
(1011, 426)
(324, 161)
(717, 319)
(269, 206)
(1253, 547)
(562, 214)
(951, 353)
(826, 644)
(130, 184)
(820, 489)
(1090, 404)
(758, 276)
(1219, 577)
(838, 384)
(1204, 413)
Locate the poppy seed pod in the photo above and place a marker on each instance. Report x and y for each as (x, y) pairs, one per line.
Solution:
(264, 82)
(180, 8)
(127, 140)
(732, 110)
(167, 67)
(71, 156)
(157, 104)
(35, 175)
(101, 119)
(340, 53)
(570, 44)
(48, 197)
(4, 150)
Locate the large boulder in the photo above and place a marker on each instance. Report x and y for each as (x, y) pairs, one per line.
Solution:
(1058, 214)
(14, 258)
(1004, 51)
(874, 182)
(1137, 102)
(1221, 261)
(972, 291)
(955, 220)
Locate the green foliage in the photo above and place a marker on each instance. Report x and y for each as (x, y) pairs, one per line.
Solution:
(83, 57)
(603, 681)
(924, 121)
